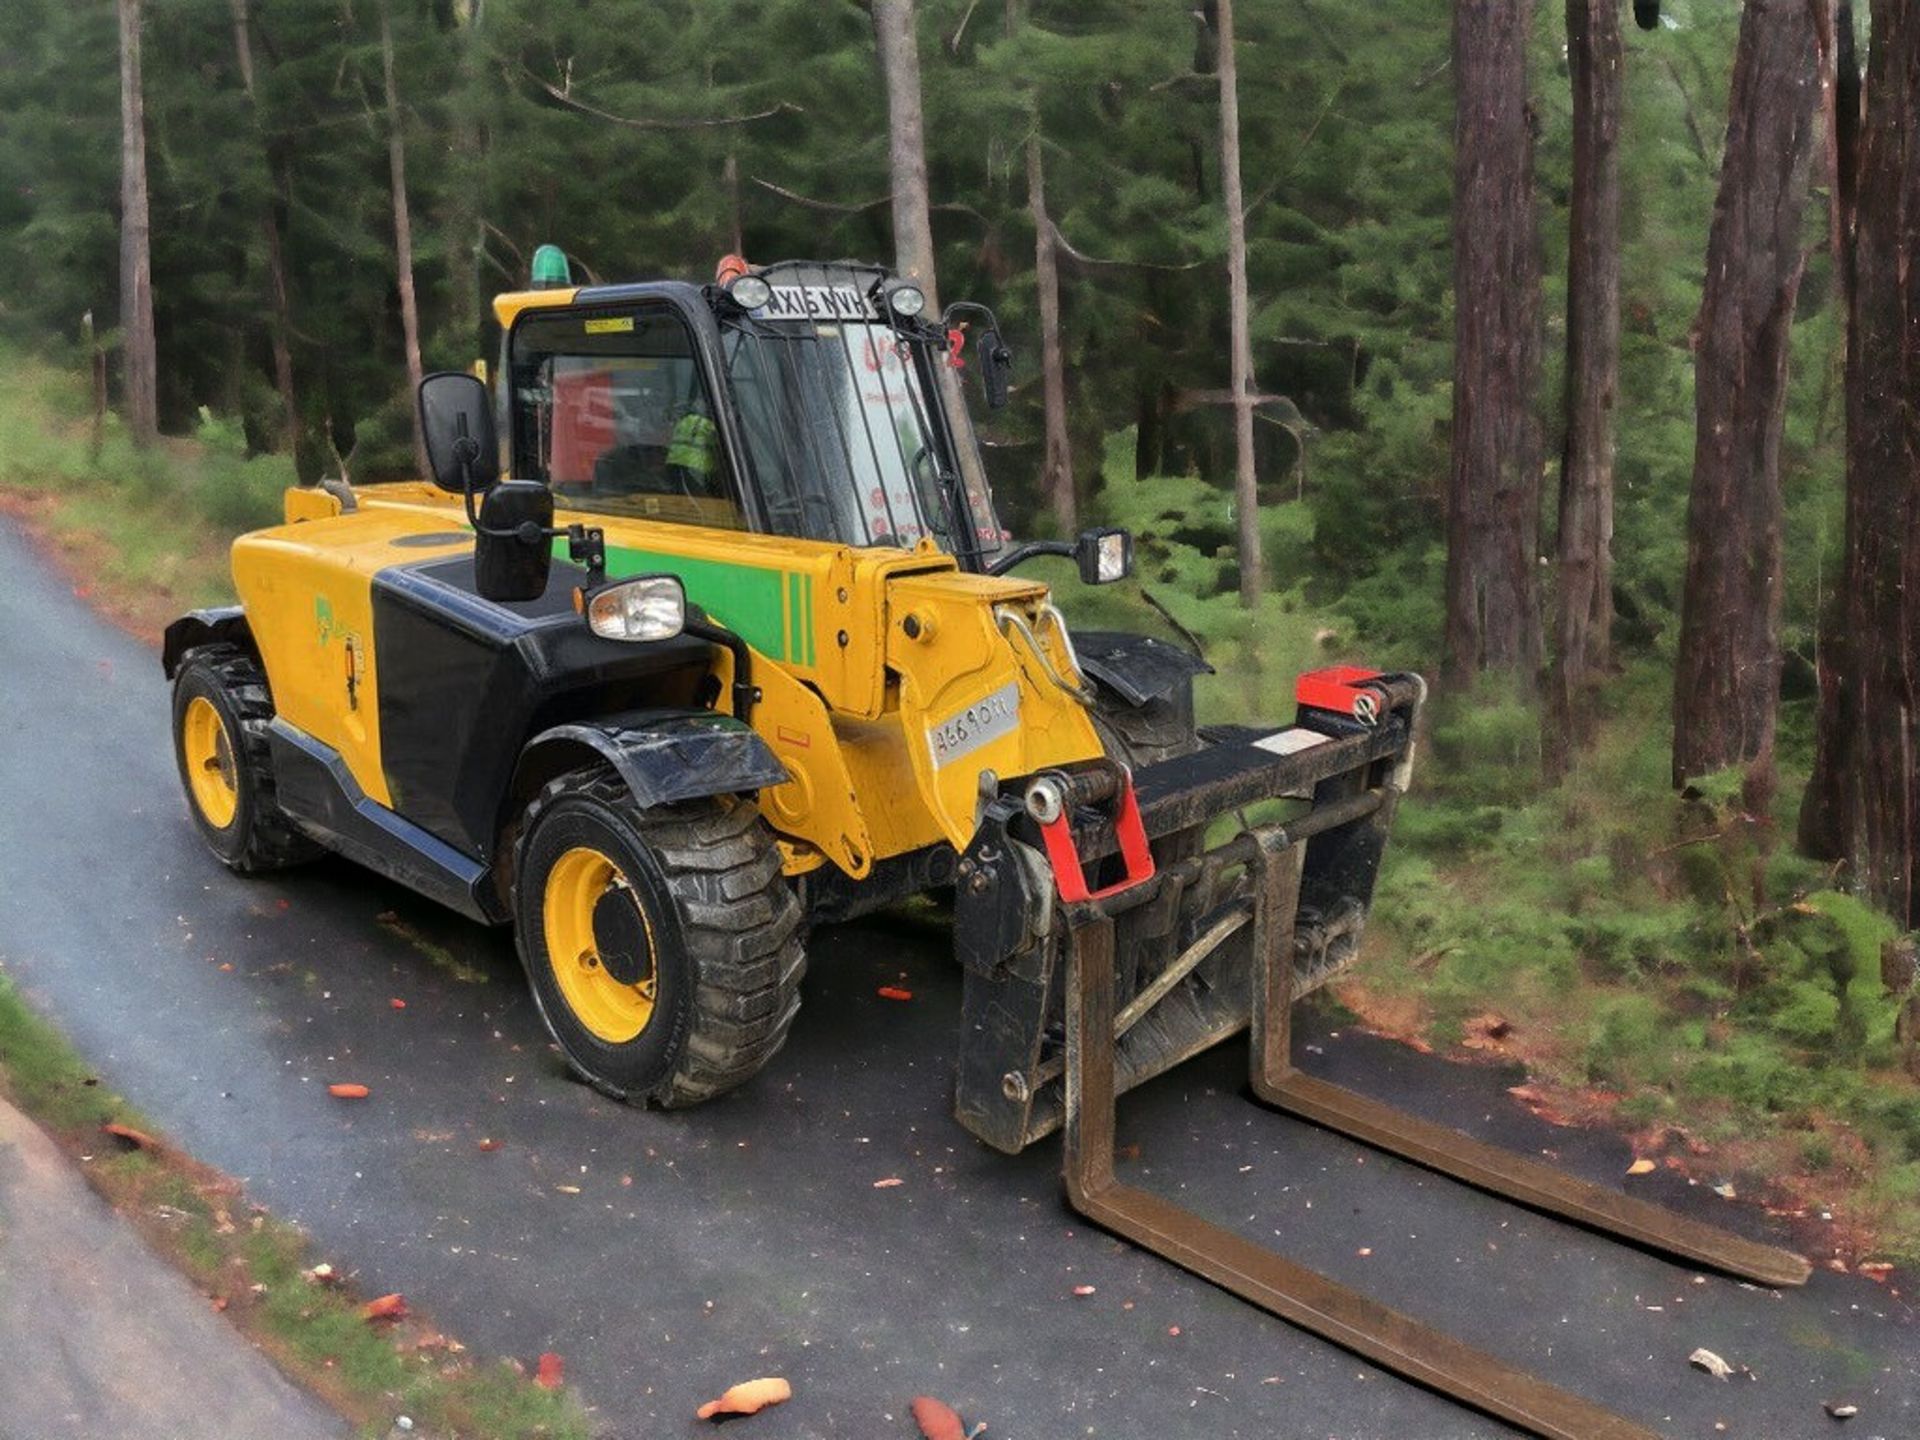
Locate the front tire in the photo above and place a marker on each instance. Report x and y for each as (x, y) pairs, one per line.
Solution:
(221, 710)
(663, 946)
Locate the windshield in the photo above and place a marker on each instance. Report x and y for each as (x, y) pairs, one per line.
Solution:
(840, 432)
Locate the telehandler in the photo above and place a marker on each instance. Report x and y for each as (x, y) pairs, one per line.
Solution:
(739, 647)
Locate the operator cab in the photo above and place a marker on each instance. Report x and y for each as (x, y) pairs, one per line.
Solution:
(801, 399)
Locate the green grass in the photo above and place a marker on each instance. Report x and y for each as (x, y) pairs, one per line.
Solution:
(1615, 925)
(258, 1267)
(146, 522)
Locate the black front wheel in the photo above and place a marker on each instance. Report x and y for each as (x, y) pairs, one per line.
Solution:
(220, 714)
(663, 945)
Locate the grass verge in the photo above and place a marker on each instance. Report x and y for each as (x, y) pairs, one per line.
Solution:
(1660, 963)
(143, 533)
(259, 1270)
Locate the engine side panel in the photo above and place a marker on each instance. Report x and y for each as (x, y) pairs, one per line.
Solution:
(482, 677)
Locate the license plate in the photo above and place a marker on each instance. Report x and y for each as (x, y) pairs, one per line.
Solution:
(981, 723)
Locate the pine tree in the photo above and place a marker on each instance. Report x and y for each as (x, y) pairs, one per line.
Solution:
(1583, 617)
(139, 365)
(1493, 606)
(1863, 802)
(1726, 679)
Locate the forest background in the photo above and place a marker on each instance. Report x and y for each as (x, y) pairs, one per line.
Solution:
(334, 190)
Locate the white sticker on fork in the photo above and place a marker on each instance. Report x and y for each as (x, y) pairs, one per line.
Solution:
(1291, 742)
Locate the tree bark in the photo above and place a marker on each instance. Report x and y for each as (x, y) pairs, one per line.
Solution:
(277, 294)
(139, 361)
(1246, 483)
(1493, 494)
(1056, 480)
(1863, 804)
(463, 218)
(1830, 808)
(402, 235)
(897, 45)
(1583, 617)
(1727, 678)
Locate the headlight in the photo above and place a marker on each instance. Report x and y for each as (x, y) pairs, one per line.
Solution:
(907, 301)
(648, 607)
(1104, 556)
(750, 291)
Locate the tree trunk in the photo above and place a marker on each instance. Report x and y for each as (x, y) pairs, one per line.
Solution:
(1246, 484)
(139, 362)
(1830, 808)
(282, 327)
(1583, 619)
(899, 51)
(463, 198)
(1727, 678)
(1493, 494)
(1056, 480)
(898, 47)
(1863, 804)
(402, 235)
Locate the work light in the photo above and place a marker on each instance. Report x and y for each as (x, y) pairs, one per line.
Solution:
(750, 292)
(647, 607)
(907, 301)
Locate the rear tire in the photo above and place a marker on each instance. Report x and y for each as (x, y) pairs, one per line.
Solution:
(221, 710)
(663, 945)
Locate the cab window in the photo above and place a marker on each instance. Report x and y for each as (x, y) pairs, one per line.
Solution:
(610, 410)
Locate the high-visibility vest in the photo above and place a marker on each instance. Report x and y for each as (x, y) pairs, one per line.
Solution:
(695, 443)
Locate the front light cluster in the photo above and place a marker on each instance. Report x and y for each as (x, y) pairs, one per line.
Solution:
(647, 607)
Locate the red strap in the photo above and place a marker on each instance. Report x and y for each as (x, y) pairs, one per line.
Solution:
(1064, 856)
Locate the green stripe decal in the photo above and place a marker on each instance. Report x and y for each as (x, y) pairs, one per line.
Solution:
(806, 588)
(747, 599)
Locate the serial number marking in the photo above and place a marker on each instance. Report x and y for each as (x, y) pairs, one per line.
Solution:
(981, 723)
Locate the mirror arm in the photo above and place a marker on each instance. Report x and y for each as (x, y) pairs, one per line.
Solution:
(1020, 554)
(745, 692)
(587, 545)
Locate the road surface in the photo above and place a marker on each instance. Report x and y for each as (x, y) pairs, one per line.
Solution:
(103, 1338)
(665, 1256)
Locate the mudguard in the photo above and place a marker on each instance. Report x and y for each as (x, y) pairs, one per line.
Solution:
(225, 624)
(1137, 668)
(662, 756)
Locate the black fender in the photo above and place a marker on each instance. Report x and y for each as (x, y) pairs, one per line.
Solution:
(223, 625)
(1137, 668)
(661, 756)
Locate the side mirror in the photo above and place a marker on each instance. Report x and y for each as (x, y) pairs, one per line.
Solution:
(513, 549)
(456, 420)
(1104, 556)
(996, 369)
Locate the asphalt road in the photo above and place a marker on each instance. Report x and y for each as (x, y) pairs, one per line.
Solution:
(104, 1338)
(666, 1256)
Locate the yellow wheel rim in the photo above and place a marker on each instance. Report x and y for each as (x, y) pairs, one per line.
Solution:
(591, 936)
(208, 753)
